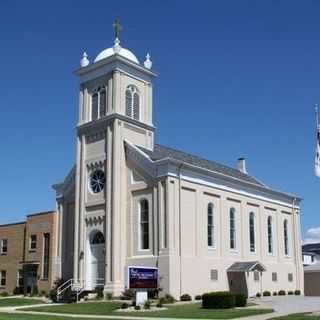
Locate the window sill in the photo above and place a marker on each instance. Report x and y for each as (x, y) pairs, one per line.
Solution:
(3, 254)
(32, 250)
(44, 279)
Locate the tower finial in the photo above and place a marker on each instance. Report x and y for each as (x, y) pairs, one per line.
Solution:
(148, 63)
(84, 60)
(117, 28)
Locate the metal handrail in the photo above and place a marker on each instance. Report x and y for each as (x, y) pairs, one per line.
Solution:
(78, 286)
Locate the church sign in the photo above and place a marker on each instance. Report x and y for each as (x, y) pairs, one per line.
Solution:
(143, 277)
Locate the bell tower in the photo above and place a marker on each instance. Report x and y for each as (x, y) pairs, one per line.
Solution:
(115, 106)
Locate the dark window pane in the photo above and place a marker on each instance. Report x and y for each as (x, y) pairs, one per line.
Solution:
(94, 107)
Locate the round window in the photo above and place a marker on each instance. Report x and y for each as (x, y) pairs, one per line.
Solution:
(97, 181)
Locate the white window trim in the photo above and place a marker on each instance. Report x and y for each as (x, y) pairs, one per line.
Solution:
(133, 89)
(272, 237)
(286, 242)
(255, 233)
(30, 242)
(1, 247)
(235, 249)
(213, 229)
(139, 226)
(97, 91)
(3, 286)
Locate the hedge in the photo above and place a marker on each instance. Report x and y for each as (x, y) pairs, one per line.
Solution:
(240, 300)
(218, 300)
(185, 297)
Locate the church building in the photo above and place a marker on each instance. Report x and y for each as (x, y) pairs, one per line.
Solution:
(131, 202)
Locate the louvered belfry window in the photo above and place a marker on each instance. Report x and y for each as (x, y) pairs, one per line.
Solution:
(98, 103)
(132, 102)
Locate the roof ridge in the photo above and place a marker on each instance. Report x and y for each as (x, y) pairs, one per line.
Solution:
(213, 161)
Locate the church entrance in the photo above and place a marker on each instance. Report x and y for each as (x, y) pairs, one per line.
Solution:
(96, 261)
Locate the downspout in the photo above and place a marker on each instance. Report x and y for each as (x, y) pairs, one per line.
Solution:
(180, 231)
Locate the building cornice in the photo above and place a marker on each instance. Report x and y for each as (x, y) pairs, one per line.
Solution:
(290, 197)
(171, 167)
(115, 62)
(102, 124)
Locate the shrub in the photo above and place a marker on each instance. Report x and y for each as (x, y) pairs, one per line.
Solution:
(99, 292)
(159, 304)
(218, 300)
(266, 293)
(290, 293)
(43, 293)
(281, 293)
(167, 299)
(258, 295)
(4, 294)
(275, 293)
(198, 297)
(124, 305)
(53, 292)
(147, 305)
(185, 297)
(240, 300)
(128, 294)
(137, 308)
(297, 292)
(18, 290)
(109, 296)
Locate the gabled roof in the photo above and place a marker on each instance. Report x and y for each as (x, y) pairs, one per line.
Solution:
(246, 266)
(312, 268)
(162, 152)
(311, 248)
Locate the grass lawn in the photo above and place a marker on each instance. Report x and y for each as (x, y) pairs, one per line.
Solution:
(16, 302)
(95, 308)
(298, 316)
(5, 316)
(176, 311)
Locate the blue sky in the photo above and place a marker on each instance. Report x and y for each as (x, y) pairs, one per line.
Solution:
(237, 78)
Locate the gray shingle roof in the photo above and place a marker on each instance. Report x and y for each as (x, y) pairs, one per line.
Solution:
(246, 266)
(311, 248)
(162, 152)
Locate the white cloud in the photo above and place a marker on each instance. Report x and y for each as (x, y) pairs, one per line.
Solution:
(312, 235)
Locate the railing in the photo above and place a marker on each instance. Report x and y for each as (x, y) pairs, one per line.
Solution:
(78, 286)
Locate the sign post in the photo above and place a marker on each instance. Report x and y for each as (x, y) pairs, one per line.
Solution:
(142, 279)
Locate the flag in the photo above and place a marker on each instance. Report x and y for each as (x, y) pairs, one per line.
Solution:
(317, 157)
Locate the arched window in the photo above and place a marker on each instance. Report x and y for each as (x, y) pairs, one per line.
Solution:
(210, 225)
(132, 102)
(270, 236)
(252, 232)
(94, 107)
(286, 238)
(232, 228)
(97, 238)
(98, 103)
(144, 224)
(102, 104)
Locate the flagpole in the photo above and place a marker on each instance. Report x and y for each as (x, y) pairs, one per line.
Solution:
(316, 107)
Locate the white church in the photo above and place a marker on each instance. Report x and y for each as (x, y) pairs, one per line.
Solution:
(131, 202)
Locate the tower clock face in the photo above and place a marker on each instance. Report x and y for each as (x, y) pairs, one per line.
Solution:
(97, 181)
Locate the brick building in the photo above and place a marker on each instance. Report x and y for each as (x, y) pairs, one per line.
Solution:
(27, 251)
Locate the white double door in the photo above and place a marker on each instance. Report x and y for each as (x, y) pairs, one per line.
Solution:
(95, 266)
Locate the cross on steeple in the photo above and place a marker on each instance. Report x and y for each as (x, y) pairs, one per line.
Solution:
(117, 28)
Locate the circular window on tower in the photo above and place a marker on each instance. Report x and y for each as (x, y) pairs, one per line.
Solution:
(97, 181)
